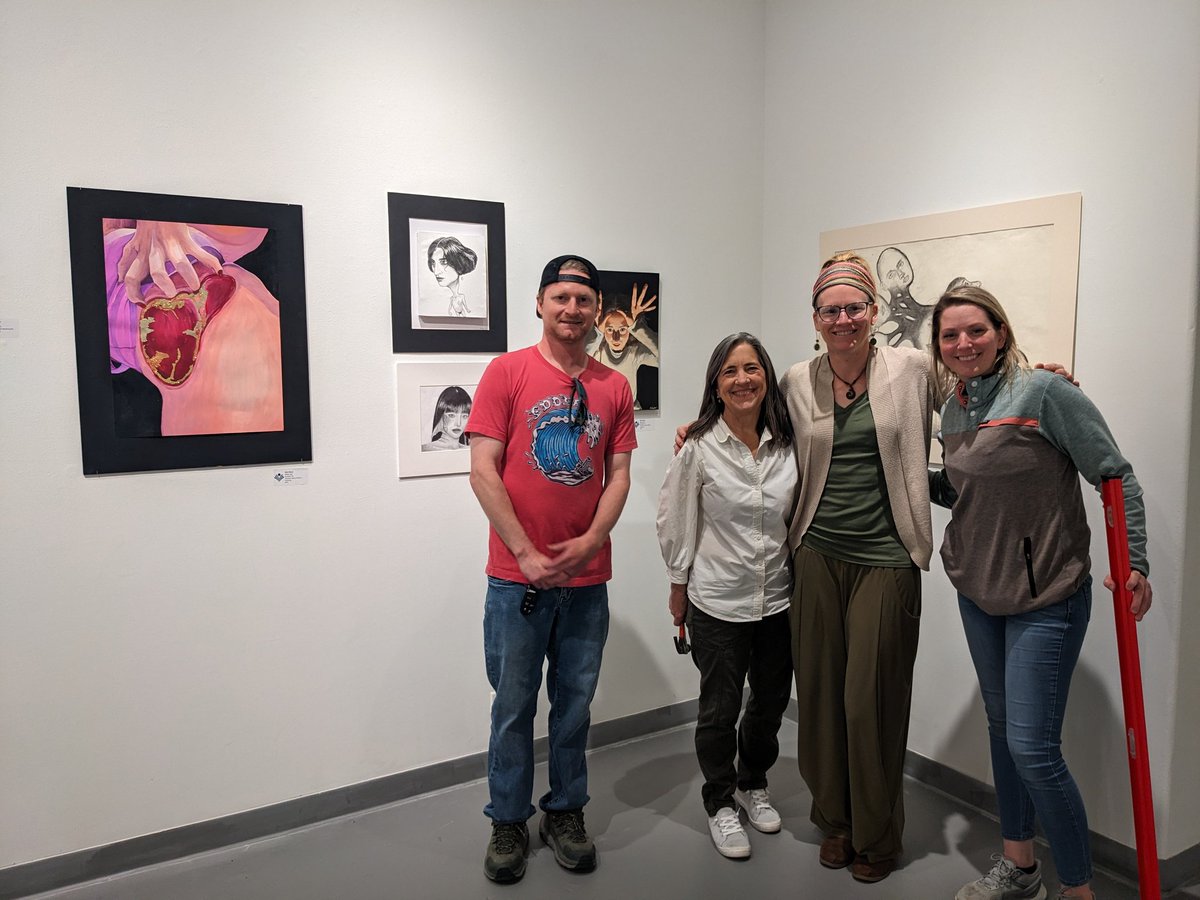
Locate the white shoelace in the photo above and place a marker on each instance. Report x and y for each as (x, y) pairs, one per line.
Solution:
(1002, 874)
(760, 798)
(728, 823)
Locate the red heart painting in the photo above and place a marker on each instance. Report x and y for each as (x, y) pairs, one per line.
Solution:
(170, 328)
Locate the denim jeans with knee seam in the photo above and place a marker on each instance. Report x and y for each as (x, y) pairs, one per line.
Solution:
(1025, 663)
(566, 631)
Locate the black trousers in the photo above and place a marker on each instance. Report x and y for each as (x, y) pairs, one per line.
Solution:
(734, 755)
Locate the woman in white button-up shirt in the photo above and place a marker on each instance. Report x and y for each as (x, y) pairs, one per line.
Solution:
(722, 526)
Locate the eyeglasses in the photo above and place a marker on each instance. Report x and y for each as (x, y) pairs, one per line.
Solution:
(578, 404)
(853, 311)
(614, 332)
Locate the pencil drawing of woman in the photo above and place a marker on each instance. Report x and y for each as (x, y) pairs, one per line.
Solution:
(450, 420)
(449, 261)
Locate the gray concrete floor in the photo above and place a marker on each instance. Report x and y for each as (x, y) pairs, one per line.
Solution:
(650, 831)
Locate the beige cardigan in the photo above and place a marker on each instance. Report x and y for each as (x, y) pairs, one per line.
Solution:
(901, 403)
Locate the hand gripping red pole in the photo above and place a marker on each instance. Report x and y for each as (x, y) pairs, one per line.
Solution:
(1131, 690)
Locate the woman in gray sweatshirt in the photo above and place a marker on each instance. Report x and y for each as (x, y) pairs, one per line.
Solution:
(1016, 441)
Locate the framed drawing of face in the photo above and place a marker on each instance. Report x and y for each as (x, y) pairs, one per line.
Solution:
(448, 274)
(433, 403)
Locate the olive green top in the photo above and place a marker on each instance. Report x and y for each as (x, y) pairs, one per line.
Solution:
(853, 521)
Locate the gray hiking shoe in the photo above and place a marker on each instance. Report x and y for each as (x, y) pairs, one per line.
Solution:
(505, 860)
(564, 833)
(1005, 882)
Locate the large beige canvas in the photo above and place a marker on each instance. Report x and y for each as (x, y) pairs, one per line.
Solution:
(1026, 253)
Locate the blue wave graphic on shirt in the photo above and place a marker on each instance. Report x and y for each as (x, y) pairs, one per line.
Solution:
(554, 450)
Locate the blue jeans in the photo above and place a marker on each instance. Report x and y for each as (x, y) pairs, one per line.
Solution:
(1024, 663)
(566, 630)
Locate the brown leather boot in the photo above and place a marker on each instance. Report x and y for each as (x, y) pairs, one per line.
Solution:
(871, 872)
(836, 851)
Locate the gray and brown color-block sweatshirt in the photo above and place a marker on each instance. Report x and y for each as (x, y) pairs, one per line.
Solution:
(1018, 538)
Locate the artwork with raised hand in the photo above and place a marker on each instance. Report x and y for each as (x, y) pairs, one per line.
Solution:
(626, 335)
(189, 331)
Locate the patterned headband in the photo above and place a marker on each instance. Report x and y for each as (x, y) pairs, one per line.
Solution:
(845, 272)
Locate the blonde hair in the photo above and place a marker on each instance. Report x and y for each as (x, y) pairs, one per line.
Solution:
(1009, 358)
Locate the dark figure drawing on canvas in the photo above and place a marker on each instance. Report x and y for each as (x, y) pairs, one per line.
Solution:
(906, 322)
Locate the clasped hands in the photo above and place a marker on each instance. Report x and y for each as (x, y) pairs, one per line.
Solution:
(569, 558)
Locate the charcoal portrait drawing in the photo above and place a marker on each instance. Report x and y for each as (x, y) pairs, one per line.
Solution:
(448, 421)
(450, 271)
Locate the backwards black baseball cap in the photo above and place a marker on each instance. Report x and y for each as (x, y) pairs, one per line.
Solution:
(551, 274)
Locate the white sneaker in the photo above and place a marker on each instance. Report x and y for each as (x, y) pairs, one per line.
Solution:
(728, 835)
(757, 804)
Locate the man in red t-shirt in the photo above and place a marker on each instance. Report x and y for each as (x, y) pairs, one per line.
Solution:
(551, 436)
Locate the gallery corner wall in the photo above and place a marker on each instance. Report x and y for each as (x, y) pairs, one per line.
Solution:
(324, 634)
(181, 646)
(876, 113)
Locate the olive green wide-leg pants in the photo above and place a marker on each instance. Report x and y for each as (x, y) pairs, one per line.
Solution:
(854, 643)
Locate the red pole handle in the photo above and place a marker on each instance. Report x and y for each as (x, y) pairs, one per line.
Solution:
(1131, 689)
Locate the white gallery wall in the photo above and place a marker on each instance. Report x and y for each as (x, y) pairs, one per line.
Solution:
(185, 645)
(180, 646)
(881, 111)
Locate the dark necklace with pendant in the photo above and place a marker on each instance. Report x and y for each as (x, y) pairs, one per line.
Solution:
(850, 392)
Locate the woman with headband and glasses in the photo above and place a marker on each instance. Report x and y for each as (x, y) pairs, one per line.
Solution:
(859, 537)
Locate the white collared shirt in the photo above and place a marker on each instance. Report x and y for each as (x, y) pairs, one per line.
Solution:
(723, 516)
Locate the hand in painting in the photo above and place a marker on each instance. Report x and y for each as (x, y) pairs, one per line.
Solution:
(1058, 369)
(638, 303)
(153, 246)
(1139, 586)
